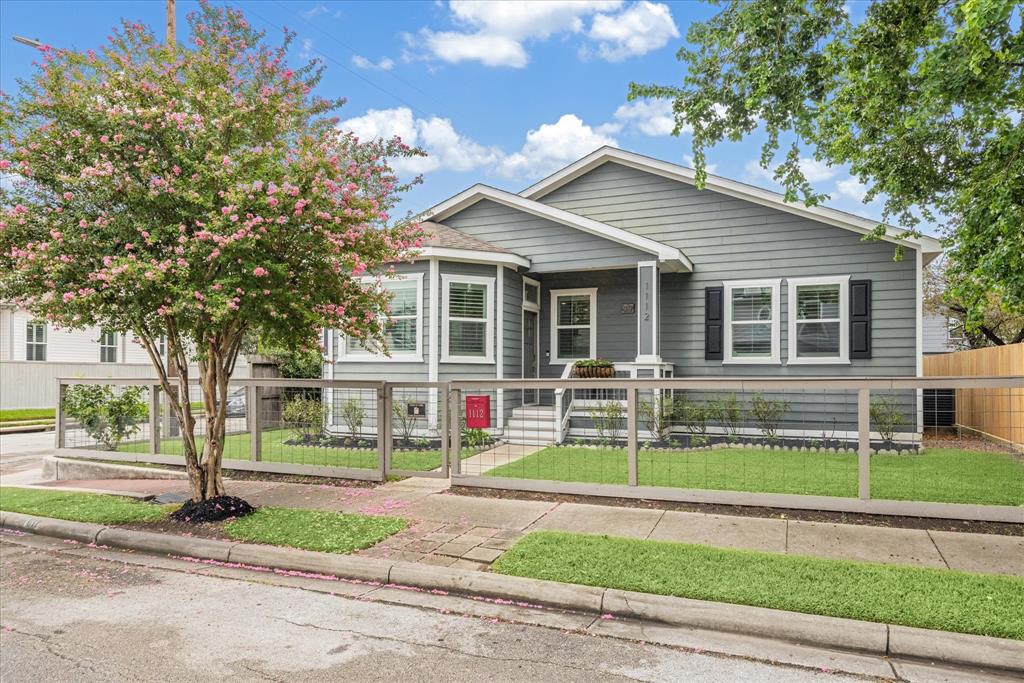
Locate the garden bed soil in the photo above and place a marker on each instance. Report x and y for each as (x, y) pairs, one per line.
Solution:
(927, 523)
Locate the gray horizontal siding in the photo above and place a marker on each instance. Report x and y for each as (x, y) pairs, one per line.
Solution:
(616, 331)
(733, 239)
(550, 246)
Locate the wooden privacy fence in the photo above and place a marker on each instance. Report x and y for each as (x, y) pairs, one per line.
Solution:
(994, 413)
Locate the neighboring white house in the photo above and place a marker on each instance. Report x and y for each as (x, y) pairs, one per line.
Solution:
(941, 334)
(33, 354)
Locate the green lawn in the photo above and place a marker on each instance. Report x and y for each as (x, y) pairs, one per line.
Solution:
(938, 474)
(236, 447)
(19, 414)
(81, 507)
(911, 596)
(331, 532)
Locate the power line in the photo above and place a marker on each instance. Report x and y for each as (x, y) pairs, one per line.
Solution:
(356, 53)
(358, 75)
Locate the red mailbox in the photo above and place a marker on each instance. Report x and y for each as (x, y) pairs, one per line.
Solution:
(478, 412)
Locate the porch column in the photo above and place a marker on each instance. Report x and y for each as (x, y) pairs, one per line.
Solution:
(648, 295)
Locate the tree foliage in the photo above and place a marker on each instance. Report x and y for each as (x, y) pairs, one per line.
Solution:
(922, 99)
(998, 325)
(200, 192)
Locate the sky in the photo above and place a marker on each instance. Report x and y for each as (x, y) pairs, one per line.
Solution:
(502, 93)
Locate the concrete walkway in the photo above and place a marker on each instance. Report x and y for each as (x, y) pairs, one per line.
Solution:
(470, 532)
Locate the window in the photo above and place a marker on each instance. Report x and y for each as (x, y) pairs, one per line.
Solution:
(531, 294)
(468, 324)
(35, 340)
(752, 322)
(108, 347)
(573, 327)
(161, 345)
(818, 320)
(402, 332)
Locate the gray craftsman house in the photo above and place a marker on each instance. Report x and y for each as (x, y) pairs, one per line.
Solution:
(619, 256)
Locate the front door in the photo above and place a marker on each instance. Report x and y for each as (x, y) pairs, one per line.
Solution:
(530, 349)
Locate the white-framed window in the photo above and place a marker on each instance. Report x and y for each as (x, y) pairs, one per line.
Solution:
(404, 331)
(573, 324)
(531, 294)
(819, 320)
(108, 347)
(35, 340)
(752, 321)
(467, 323)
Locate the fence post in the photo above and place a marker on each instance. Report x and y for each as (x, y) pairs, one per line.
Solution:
(389, 427)
(455, 430)
(631, 436)
(864, 443)
(441, 406)
(154, 419)
(382, 433)
(60, 424)
(253, 398)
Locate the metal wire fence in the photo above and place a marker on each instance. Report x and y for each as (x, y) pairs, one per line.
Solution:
(929, 446)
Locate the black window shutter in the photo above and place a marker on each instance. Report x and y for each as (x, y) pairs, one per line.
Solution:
(713, 314)
(860, 318)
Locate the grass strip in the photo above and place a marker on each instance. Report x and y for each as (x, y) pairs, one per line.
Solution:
(948, 475)
(80, 507)
(16, 414)
(911, 596)
(331, 532)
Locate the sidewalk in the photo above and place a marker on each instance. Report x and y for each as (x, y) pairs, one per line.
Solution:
(470, 532)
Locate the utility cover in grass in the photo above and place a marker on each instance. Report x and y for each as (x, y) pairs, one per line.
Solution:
(331, 532)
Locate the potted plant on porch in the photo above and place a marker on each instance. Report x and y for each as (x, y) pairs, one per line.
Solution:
(595, 368)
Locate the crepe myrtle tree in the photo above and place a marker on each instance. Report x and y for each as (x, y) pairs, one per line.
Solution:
(200, 193)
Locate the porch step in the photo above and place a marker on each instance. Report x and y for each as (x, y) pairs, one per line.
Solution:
(533, 410)
(546, 422)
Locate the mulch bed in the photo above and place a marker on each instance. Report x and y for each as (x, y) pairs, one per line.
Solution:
(1000, 528)
(212, 510)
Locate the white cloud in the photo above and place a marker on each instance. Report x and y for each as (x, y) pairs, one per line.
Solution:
(554, 145)
(815, 171)
(496, 33)
(643, 27)
(385, 63)
(851, 188)
(488, 49)
(650, 117)
(307, 48)
(314, 11)
(446, 149)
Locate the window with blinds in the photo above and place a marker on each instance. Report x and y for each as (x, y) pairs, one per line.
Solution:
(752, 311)
(467, 319)
(402, 330)
(572, 324)
(818, 320)
(35, 340)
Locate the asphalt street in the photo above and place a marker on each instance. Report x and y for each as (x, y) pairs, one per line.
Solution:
(67, 617)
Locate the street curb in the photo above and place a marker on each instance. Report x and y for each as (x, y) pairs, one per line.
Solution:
(805, 629)
(61, 469)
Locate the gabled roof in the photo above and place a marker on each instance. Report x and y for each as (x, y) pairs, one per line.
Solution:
(929, 246)
(671, 258)
(440, 240)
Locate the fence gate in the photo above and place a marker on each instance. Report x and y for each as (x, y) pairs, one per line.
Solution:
(415, 429)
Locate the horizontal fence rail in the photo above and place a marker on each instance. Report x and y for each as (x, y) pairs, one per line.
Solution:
(891, 445)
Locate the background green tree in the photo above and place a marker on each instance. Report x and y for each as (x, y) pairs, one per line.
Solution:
(922, 99)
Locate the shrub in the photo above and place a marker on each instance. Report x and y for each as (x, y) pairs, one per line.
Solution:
(886, 415)
(767, 414)
(659, 416)
(352, 412)
(106, 417)
(608, 420)
(694, 416)
(473, 438)
(305, 417)
(728, 413)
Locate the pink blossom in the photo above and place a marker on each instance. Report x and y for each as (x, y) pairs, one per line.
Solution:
(4, 164)
(260, 271)
(272, 201)
(68, 196)
(75, 133)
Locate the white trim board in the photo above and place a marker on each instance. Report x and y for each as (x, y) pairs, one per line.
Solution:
(474, 256)
(928, 245)
(672, 259)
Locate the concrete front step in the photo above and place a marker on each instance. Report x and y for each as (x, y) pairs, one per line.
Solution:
(531, 423)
